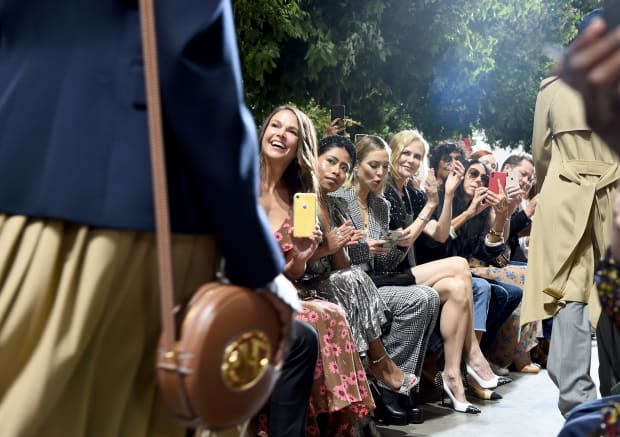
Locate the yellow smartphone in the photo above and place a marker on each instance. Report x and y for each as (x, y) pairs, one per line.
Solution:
(304, 214)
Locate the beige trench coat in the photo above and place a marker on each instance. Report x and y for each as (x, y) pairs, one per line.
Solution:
(576, 174)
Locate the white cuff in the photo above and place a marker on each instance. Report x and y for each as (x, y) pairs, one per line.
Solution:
(286, 291)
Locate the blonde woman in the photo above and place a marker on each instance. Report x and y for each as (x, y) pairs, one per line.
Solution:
(289, 165)
(450, 278)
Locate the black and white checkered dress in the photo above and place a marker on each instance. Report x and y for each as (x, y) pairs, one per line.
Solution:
(414, 308)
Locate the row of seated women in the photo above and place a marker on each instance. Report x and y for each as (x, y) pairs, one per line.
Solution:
(512, 344)
(373, 339)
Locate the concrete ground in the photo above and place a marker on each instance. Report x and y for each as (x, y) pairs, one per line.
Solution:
(528, 408)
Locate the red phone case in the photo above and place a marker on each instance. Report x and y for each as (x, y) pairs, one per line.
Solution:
(496, 178)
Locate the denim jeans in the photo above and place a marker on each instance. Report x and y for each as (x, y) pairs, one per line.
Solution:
(505, 298)
(482, 297)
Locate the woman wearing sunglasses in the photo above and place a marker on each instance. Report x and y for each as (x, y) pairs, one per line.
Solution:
(450, 278)
(480, 231)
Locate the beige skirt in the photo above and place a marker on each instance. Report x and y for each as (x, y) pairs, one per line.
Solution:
(79, 323)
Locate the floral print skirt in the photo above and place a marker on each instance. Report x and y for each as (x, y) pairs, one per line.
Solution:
(340, 391)
(340, 386)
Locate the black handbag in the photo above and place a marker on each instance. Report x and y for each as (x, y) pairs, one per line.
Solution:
(393, 278)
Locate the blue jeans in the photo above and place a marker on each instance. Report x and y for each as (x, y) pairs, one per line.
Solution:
(505, 298)
(481, 290)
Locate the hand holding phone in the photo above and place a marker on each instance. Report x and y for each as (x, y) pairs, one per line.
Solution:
(392, 235)
(337, 112)
(391, 238)
(304, 214)
(512, 179)
(497, 178)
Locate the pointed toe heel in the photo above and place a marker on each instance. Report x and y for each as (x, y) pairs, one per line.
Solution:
(484, 383)
(461, 407)
(484, 394)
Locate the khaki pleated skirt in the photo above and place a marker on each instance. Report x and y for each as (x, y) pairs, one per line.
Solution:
(79, 324)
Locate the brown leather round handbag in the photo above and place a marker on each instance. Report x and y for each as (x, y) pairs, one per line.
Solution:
(220, 370)
(215, 361)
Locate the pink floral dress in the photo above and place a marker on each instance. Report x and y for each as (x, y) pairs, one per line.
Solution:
(340, 388)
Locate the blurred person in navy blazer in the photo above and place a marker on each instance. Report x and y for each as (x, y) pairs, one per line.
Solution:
(79, 306)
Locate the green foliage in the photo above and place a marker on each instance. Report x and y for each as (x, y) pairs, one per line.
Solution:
(446, 67)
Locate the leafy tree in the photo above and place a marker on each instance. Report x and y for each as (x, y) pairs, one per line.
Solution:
(443, 66)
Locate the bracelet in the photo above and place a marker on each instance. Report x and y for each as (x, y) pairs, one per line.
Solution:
(423, 217)
(496, 234)
(453, 233)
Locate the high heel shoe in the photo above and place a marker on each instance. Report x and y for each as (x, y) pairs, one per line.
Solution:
(388, 409)
(526, 368)
(405, 386)
(494, 382)
(461, 407)
(484, 393)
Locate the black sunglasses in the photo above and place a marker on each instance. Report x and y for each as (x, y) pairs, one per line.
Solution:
(473, 173)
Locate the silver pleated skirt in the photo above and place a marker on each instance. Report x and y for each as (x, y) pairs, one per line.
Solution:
(353, 290)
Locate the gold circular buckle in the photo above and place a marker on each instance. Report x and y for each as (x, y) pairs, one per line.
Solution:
(246, 360)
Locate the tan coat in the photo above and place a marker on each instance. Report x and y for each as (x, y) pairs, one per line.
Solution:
(572, 224)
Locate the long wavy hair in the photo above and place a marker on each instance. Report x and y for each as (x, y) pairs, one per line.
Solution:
(301, 174)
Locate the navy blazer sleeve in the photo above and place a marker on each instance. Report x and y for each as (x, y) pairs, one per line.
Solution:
(204, 110)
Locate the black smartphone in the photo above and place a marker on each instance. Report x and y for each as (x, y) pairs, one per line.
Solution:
(611, 12)
(337, 112)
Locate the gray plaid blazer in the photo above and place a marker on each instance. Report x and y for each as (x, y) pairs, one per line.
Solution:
(378, 226)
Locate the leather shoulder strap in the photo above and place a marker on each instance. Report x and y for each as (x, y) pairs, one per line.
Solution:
(158, 168)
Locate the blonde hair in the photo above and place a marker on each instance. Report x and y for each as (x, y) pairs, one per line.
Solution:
(364, 146)
(401, 140)
(301, 174)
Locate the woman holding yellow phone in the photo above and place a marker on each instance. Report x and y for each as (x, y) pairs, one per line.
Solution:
(288, 166)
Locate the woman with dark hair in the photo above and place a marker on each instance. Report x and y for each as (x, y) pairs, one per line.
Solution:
(442, 159)
(481, 229)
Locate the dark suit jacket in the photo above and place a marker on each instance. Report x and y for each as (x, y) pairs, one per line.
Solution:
(73, 133)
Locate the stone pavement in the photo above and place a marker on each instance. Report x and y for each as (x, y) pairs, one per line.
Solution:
(528, 408)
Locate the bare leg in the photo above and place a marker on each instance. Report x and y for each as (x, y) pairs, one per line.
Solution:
(451, 279)
(384, 368)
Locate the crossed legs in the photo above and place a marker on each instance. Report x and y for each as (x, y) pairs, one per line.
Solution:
(450, 277)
